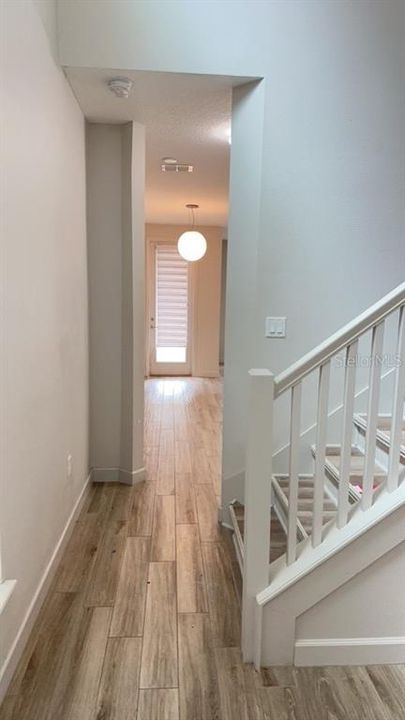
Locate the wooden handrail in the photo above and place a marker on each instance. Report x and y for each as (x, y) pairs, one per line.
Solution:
(341, 339)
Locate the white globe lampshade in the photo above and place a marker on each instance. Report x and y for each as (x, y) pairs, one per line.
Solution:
(192, 245)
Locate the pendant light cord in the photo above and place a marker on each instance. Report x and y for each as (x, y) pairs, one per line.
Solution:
(192, 208)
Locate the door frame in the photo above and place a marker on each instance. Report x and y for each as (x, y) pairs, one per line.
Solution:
(165, 369)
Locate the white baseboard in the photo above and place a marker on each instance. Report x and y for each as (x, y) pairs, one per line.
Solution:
(132, 478)
(127, 477)
(102, 475)
(11, 661)
(6, 590)
(349, 651)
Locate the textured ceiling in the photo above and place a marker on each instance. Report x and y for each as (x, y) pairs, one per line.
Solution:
(186, 117)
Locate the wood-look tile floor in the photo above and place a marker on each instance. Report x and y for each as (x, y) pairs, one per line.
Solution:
(143, 618)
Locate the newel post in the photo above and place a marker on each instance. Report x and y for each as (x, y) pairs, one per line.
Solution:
(257, 507)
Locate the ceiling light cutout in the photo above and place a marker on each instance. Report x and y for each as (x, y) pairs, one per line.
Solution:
(192, 244)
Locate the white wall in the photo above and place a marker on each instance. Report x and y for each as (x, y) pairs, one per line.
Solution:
(115, 217)
(241, 278)
(324, 194)
(206, 295)
(45, 355)
(223, 302)
(371, 604)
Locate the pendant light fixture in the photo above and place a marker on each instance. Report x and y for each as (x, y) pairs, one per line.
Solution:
(192, 244)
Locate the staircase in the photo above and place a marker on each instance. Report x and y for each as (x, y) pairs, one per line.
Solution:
(297, 526)
(305, 492)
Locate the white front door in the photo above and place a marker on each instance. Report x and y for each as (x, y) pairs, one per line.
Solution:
(169, 312)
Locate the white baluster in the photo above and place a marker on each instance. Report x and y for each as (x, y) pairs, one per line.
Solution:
(257, 503)
(347, 429)
(293, 473)
(372, 414)
(398, 407)
(321, 430)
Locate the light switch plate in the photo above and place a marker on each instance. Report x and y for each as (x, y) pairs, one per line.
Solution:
(276, 327)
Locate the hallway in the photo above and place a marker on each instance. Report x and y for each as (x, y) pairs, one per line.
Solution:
(146, 585)
(143, 619)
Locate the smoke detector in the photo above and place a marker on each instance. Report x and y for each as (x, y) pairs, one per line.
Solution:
(121, 87)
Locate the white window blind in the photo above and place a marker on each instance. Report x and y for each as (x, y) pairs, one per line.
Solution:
(171, 298)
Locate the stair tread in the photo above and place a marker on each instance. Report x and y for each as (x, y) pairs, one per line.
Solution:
(328, 505)
(304, 482)
(305, 501)
(278, 539)
(385, 422)
(308, 513)
(305, 493)
(335, 451)
(356, 464)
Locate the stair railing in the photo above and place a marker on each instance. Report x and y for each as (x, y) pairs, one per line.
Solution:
(264, 390)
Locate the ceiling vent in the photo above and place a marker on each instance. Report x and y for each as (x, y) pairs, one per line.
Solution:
(177, 167)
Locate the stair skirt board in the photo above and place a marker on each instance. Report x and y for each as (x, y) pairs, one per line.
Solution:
(239, 555)
(349, 651)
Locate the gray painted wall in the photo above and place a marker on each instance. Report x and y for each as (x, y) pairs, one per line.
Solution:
(115, 227)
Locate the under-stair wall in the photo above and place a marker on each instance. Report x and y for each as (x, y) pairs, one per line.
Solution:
(362, 622)
(366, 576)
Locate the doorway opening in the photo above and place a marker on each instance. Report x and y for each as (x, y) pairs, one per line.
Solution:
(185, 118)
(187, 123)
